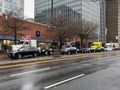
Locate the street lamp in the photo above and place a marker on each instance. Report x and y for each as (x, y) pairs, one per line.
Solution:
(116, 37)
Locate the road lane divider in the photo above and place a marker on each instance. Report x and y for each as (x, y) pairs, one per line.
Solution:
(62, 82)
(28, 72)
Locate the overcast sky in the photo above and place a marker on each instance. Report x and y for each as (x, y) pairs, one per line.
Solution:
(29, 8)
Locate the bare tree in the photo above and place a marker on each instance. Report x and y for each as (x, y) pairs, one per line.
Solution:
(13, 23)
(84, 29)
(59, 26)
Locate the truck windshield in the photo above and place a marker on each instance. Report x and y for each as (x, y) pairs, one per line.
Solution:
(20, 42)
(20, 49)
(67, 46)
(94, 44)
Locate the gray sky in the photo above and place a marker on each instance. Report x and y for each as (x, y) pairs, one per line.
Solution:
(29, 8)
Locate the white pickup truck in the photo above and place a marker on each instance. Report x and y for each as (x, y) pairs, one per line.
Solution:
(13, 49)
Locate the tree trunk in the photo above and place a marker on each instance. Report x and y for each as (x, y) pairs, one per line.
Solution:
(60, 45)
(81, 41)
(15, 37)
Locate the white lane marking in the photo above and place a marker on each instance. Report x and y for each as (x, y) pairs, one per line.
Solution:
(64, 81)
(44, 69)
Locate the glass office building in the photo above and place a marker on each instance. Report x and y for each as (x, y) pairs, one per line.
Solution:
(11, 6)
(90, 10)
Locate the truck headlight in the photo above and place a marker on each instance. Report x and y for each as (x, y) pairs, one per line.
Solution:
(14, 52)
(43, 50)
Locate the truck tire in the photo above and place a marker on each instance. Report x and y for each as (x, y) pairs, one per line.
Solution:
(46, 53)
(19, 56)
(62, 53)
(102, 50)
(35, 55)
(75, 51)
(51, 52)
(69, 53)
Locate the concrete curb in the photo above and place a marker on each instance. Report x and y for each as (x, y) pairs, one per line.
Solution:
(38, 60)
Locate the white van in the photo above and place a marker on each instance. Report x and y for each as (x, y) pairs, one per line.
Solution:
(111, 46)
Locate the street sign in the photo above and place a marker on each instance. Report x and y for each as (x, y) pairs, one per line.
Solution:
(37, 33)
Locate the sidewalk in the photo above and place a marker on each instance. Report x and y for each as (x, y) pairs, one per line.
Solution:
(3, 56)
(5, 61)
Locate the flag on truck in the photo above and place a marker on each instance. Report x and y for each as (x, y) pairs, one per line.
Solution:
(26, 37)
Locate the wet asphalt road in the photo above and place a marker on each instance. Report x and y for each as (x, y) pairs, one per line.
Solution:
(78, 74)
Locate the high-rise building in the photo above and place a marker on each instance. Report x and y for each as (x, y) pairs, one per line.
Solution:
(91, 10)
(113, 20)
(103, 20)
(11, 6)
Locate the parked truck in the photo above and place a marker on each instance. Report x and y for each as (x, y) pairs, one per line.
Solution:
(97, 46)
(28, 47)
(112, 46)
(24, 43)
(23, 48)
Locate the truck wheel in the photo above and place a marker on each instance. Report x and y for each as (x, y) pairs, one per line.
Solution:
(51, 52)
(35, 55)
(75, 51)
(19, 56)
(46, 53)
(62, 53)
(69, 52)
(102, 50)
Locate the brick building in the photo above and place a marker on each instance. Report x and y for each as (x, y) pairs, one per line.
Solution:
(43, 39)
(113, 20)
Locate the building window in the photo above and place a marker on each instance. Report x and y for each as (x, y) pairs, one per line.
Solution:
(0, 3)
(10, 6)
(13, 1)
(10, 12)
(0, 9)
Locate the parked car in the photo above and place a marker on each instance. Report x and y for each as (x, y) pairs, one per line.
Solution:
(87, 50)
(109, 48)
(24, 51)
(46, 51)
(50, 51)
(69, 50)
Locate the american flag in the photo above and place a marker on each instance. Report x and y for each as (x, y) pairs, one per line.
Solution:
(26, 37)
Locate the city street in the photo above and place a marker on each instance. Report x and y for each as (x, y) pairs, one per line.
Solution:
(97, 73)
(59, 45)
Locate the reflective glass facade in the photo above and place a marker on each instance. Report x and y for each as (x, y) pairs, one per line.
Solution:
(103, 29)
(0, 5)
(67, 8)
(8, 6)
(91, 10)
